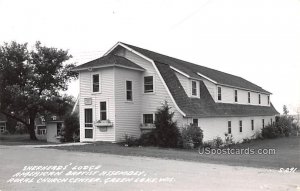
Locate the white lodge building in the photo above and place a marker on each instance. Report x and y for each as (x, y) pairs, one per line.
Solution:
(121, 91)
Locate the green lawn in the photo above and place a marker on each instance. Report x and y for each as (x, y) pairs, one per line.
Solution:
(287, 153)
(21, 140)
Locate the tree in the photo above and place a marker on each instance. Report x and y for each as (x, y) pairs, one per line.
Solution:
(71, 127)
(285, 110)
(31, 81)
(166, 131)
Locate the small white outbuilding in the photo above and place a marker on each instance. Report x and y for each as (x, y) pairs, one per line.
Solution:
(54, 129)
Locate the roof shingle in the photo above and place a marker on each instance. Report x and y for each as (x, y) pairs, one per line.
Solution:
(192, 70)
(109, 60)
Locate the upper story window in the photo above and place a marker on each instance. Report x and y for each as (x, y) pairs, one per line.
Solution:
(259, 100)
(235, 95)
(194, 88)
(229, 127)
(263, 123)
(268, 100)
(96, 83)
(219, 93)
(148, 84)
(249, 97)
(103, 111)
(252, 124)
(148, 118)
(241, 125)
(129, 90)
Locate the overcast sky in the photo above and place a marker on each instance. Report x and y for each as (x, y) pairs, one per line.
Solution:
(258, 40)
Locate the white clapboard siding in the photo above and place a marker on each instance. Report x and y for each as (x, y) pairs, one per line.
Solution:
(152, 101)
(128, 112)
(106, 94)
(217, 127)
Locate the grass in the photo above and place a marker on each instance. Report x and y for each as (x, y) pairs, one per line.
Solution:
(22, 139)
(287, 153)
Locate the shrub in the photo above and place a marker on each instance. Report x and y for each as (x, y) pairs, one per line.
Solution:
(191, 136)
(71, 128)
(148, 139)
(166, 132)
(228, 139)
(217, 142)
(270, 132)
(131, 141)
(257, 135)
(246, 140)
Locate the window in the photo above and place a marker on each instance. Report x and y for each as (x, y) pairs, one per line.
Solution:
(129, 90)
(96, 84)
(229, 127)
(241, 125)
(58, 128)
(42, 131)
(194, 88)
(2, 127)
(263, 123)
(88, 123)
(219, 93)
(259, 101)
(268, 100)
(148, 118)
(252, 124)
(271, 121)
(148, 84)
(249, 97)
(195, 122)
(103, 111)
(235, 95)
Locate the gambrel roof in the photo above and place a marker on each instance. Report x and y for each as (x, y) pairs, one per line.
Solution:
(206, 106)
(190, 107)
(193, 70)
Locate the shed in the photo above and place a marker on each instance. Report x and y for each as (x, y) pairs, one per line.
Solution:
(54, 127)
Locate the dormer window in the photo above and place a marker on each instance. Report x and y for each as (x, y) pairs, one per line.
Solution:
(194, 88)
(53, 117)
(268, 100)
(235, 95)
(219, 93)
(259, 100)
(249, 97)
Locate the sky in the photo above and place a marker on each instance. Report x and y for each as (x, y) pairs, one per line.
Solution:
(258, 40)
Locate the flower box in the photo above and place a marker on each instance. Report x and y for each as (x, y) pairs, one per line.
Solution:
(104, 123)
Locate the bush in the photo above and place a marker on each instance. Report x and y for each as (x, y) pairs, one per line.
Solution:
(148, 139)
(71, 128)
(246, 140)
(131, 141)
(215, 143)
(257, 135)
(270, 132)
(191, 136)
(228, 139)
(166, 132)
